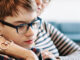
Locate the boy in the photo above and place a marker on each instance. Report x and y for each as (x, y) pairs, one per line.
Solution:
(18, 24)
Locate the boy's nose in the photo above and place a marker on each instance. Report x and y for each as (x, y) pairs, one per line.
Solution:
(30, 32)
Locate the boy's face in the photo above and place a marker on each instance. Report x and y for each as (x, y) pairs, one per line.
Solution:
(25, 40)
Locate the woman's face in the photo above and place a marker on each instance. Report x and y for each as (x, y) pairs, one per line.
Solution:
(41, 4)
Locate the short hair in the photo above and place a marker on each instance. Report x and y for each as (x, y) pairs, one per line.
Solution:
(9, 7)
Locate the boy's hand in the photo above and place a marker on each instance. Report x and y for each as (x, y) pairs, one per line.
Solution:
(19, 52)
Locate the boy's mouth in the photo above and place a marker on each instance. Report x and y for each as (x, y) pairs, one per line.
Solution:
(29, 41)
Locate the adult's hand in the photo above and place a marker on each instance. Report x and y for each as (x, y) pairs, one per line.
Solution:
(47, 55)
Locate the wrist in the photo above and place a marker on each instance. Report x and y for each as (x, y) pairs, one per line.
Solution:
(4, 44)
(7, 47)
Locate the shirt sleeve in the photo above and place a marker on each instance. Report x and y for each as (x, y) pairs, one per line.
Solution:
(66, 47)
(6, 57)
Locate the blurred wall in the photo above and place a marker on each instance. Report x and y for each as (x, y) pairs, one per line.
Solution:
(63, 11)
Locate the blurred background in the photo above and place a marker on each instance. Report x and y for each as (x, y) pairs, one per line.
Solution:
(63, 11)
(65, 16)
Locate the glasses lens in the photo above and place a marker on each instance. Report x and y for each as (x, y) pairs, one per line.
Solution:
(22, 29)
(36, 25)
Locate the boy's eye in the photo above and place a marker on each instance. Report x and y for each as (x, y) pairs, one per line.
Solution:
(35, 25)
(21, 27)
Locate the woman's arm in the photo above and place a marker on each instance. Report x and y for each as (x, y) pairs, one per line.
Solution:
(68, 49)
(10, 48)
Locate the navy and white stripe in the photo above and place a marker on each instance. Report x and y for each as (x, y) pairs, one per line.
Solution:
(53, 40)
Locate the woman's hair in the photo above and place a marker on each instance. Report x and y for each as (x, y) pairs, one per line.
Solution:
(9, 7)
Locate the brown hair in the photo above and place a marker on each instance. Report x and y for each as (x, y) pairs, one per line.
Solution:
(9, 7)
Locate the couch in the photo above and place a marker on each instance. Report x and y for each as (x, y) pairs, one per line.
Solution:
(72, 30)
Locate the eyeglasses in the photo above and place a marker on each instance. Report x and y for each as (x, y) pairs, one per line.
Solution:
(23, 28)
(46, 1)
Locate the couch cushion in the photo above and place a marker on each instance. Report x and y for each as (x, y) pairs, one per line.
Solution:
(72, 28)
(53, 23)
(74, 37)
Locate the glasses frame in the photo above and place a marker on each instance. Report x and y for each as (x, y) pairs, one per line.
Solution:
(16, 27)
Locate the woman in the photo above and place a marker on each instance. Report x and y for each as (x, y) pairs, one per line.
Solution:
(57, 44)
(17, 17)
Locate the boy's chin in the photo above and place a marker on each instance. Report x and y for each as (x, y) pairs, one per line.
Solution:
(29, 46)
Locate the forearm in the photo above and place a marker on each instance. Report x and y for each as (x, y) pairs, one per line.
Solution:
(73, 56)
(14, 50)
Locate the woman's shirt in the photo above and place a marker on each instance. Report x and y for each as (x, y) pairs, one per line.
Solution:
(51, 39)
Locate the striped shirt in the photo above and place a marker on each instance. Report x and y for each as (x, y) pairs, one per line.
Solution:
(51, 39)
